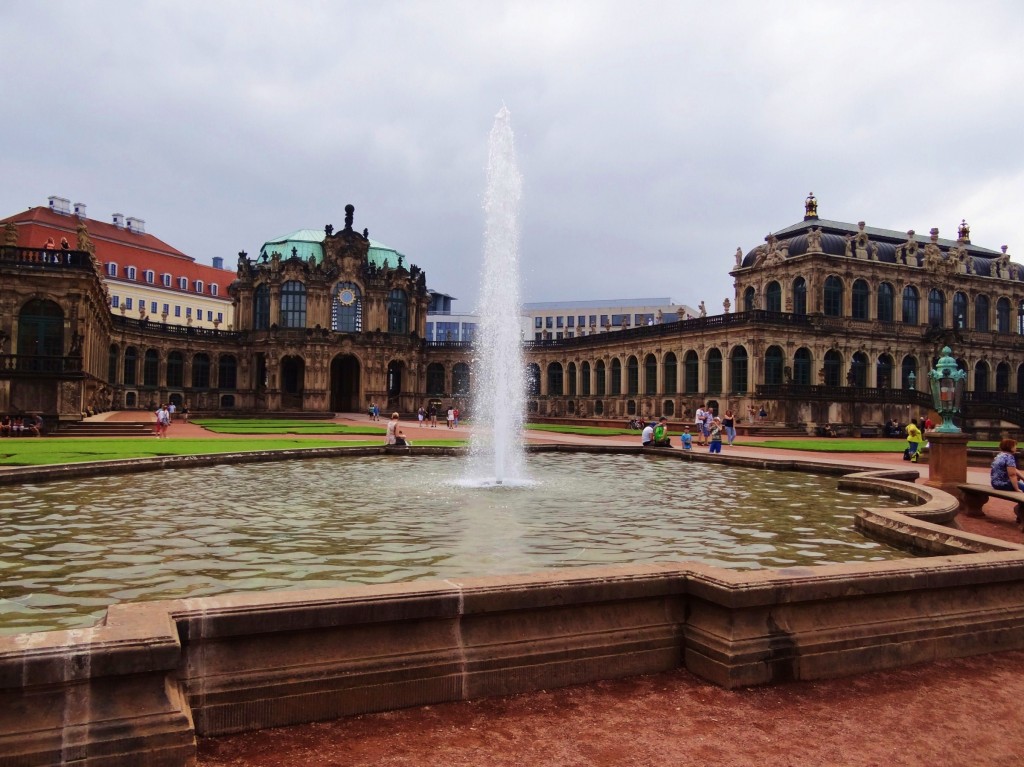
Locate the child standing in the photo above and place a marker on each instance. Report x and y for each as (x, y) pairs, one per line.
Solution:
(687, 440)
(716, 436)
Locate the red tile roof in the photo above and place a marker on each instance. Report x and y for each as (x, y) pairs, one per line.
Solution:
(122, 247)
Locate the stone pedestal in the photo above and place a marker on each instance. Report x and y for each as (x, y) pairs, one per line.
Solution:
(947, 461)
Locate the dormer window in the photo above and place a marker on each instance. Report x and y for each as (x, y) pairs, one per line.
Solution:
(166, 278)
(183, 283)
(112, 269)
(150, 276)
(199, 286)
(213, 288)
(130, 272)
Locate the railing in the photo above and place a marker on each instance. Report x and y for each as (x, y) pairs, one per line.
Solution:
(190, 331)
(987, 404)
(821, 393)
(39, 364)
(41, 258)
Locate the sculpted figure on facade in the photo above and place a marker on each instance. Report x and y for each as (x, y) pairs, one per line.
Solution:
(814, 240)
(848, 251)
(1001, 265)
(739, 256)
(860, 242)
(726, 305)
(703, 310)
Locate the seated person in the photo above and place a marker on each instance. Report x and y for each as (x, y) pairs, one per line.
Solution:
(686, 438)
(828, 431)
(34, 426)
(17, 427)
(647, 436)
(5, 426)
(1005, 474)
(661, 434)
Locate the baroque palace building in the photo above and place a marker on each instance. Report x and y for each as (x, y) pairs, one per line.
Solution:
(830, 322)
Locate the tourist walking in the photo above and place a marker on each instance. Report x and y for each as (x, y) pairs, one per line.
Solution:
(729, 424)
(433, 416)
(699, 419)
(455, 413)
(163, 420)
(420, 415)
(715, 433)
(451, 417)
(914, 441)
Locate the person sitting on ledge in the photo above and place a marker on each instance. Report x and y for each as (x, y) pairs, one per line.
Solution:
(5, 426)
(647, 435)
(1005, 474)
(395, 436)
(828, 431)
(661, 438)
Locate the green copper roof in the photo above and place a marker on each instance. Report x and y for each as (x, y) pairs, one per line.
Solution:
(309, 242)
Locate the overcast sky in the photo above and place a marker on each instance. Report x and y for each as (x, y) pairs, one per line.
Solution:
(653, 137)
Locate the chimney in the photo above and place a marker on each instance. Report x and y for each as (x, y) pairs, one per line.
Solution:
(136, 225)
(119, 221)
(80, 210)
(218, 262)
(60, 205)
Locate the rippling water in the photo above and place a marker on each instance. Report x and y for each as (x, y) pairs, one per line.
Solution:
(71, 548)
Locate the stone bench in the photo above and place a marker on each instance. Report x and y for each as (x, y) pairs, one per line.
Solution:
(975, 496)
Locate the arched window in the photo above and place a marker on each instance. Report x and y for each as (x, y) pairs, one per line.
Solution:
(131, 362)
(911, 302)
(670, 377)
(615, 385)
(802, 364)
(435, 379)
(738, 369)
(533, 379)
(398, 314)
(909, 366)
(41, 329)
(799, 296)
(227, 372)
(691, 372)
(714, 371)
(885, 302)
(1003, 315)
(112, 360)
(981, 308)
(833, 368)
(570, 374)
(460, 379)
(936, 307)
(883, 371)
(981, 377)
(861, 296)
(293, 304)
(150, 366)
(175, 370)
(773, 365)
(599, 378)
(748, 300)
(555, 379)
(650, 374)
(1020, 382)
(201, 371)
(859, 370)
(773, 297)
(347, 308)
(585, 379)
(1002, 378)
(960, 310)
(261, 307)
(632, 375)
(833, 306)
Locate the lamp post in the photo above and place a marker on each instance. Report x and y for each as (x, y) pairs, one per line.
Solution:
(947, 383)
(947, 452)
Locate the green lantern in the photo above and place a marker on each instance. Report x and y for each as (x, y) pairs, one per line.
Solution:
(947, 382)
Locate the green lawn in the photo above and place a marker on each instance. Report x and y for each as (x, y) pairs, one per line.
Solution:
(48, 451)
(280, 426)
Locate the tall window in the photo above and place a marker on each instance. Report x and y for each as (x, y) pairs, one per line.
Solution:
(739, 370)
(555, 379)
(398, 312)
(150, 365)
(201, 371)
(885, 302)
(883, 371)
(802, 367)
(585, 379)
(1003, 315)
(670, 373)
(1002, 378)
(293, 304)
(936, 307)
(227, 372)
(691, 372)
(435, 378)
(981, 306)
(599, 376)
(909, 366)
(715, 371)
(615, 385)
(41, 329)
(833, 368)
(748, 300)
(773, 366)
(911, 302)
(860, 296)
(112, 364)
(260, 307)
(800, 296)
(981, 377)
(833, 296)
(650, 374)
(533, 379)
(460, 379)
(347, 308)
(773, 297)
(959, 310)
(131, 361)
(570, 374)
(175, 370)
(632, 375)
(859, 370)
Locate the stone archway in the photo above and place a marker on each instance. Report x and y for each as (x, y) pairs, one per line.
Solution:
(293, 374)
(345, 394)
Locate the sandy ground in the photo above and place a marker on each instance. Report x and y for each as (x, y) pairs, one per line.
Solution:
(956, 712)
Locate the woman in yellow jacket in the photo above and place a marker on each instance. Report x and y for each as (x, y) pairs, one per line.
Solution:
(914, 440)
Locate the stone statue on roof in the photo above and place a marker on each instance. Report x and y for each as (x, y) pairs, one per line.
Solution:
(703, 310)
(739, 256)
(814, 240)
(84, 241)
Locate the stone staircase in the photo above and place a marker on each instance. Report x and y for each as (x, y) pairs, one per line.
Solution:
(105, 429)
